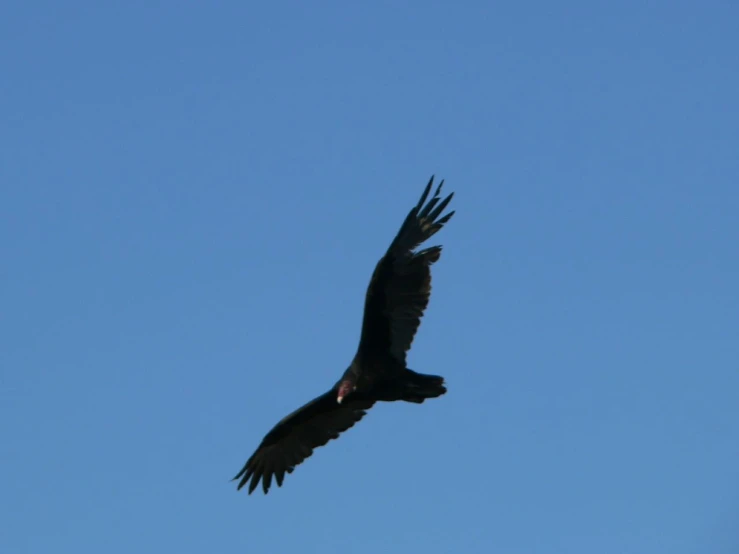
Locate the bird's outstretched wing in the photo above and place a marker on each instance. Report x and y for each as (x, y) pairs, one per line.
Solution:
(293, 439)
(400, 287)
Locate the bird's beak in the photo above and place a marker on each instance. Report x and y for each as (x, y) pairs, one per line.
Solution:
(339, 399)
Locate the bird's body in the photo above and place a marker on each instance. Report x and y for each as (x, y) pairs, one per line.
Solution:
(397, 296)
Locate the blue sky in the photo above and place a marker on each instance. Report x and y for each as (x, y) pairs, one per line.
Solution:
(193, 197)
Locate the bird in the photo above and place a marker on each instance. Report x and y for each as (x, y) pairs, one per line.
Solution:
(396, 298)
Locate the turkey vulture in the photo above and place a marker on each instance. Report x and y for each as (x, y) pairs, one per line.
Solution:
(397, 295)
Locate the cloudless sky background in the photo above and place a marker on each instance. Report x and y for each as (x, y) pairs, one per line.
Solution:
(193, 198)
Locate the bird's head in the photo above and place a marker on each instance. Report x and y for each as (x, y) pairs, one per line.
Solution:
(345, 389)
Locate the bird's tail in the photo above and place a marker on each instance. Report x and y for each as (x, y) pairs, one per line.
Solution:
(417, 387)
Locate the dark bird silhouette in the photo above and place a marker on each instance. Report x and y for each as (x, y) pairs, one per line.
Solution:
(397, 296)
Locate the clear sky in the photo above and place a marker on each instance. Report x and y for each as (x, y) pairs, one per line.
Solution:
(193, 198)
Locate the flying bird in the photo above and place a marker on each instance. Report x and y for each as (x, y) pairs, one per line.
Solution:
(397, 296)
